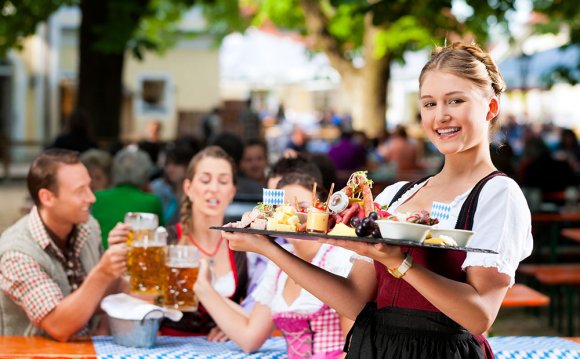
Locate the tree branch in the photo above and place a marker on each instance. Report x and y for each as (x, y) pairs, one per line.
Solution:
(317, 25)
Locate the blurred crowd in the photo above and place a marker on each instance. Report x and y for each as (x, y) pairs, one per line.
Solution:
(149, 171)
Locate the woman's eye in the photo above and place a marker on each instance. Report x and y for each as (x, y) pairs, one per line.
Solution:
(456, 100)
(429, 104)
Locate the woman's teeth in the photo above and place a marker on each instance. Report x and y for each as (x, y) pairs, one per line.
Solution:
(446, 131)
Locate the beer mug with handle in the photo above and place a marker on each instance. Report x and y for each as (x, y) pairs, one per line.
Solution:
(181, 274)
(146, 262)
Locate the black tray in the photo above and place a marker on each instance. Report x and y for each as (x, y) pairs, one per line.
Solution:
(309, 236)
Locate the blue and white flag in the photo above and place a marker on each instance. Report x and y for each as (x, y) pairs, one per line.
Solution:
(273, 196)
(440, 211)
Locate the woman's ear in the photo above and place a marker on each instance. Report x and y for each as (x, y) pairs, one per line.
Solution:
(186, 184)
(493, 108)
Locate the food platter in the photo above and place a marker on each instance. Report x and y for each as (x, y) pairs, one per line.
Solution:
(310, 236)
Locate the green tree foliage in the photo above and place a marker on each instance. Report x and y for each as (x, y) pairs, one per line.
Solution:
(134, 25)
(379, 32)
(109, 29)
(19, 19)
(558, 15)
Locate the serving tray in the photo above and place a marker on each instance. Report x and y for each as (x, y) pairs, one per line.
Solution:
(310, 236)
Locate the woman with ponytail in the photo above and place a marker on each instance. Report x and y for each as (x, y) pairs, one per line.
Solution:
(208, 188)
(418, 302)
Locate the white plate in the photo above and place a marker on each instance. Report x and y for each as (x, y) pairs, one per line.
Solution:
(403, 230)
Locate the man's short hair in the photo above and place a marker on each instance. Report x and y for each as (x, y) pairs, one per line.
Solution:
(42, 172)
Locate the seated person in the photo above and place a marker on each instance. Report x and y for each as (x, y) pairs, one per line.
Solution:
(254, 161)
(98, 162)
(131, 171)
(310, 327)
(52, 275)
(168, 187)
(208, 188)
(284, 166)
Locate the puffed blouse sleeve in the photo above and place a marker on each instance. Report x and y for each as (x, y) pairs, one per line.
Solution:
(502, 223)
(264, 292)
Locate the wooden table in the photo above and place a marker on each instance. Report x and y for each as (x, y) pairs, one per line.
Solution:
(571, 233)
(521, 295)
(554, 220)
(41, 347)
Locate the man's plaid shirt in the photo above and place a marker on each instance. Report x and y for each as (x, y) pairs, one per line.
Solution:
(28, 285)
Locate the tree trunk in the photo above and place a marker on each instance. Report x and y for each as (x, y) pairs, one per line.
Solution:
(100, 74)
(368, 86)
(369, 98)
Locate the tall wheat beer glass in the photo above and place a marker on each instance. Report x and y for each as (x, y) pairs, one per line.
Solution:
(181, 273)
(146, 261)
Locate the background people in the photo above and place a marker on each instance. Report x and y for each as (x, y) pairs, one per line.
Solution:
(168, 188)
(131, 170)
(77, 133)
(98, 163)
(250, 121)
(254, 161)
(212, 125)
(52, 275)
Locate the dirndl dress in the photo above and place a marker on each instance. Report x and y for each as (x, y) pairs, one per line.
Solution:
(401, 323)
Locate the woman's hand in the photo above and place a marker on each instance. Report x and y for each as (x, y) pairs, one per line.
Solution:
(203, 283)
(391, 256)
(245, 242)
(217, 335)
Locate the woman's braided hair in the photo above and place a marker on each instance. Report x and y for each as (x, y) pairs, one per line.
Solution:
(185, 213)
(467, 61)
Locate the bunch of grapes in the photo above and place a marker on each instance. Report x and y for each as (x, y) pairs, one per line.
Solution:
(367, 226)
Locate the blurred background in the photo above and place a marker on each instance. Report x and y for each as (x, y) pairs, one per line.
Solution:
(350, 64)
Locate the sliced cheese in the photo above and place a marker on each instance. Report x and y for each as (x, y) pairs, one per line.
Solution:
(441, 240)
(342, 229)
(285, 227)
(271, 225)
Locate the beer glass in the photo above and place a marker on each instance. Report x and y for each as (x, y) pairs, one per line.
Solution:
(181, 274)
(146, 259)
(140, 221)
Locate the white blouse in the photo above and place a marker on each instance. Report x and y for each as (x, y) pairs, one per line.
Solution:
(502, 223)
(226, 284)
(267, 293)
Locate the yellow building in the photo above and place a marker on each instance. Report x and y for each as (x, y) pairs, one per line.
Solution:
(38, 85)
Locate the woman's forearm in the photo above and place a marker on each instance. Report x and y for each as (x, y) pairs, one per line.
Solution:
(346, 295)
(248, 332)
(474, 305)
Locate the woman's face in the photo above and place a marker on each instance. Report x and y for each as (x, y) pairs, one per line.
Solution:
(212, 187)
(455, 112)
(296, 193)
(303, 197)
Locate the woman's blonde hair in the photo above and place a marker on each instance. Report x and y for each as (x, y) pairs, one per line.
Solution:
(216, 152)
(469, 62)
